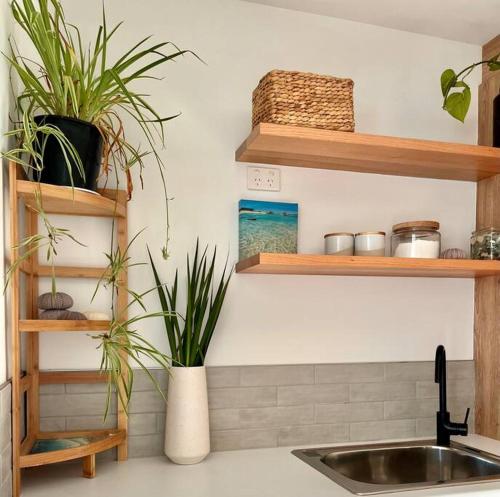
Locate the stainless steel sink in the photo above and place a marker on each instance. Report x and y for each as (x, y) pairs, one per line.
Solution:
(385, 468)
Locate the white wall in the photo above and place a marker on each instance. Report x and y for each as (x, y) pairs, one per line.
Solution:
(272, 319)
(5, 26)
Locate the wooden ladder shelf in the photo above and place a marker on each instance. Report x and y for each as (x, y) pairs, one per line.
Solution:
(38, 448)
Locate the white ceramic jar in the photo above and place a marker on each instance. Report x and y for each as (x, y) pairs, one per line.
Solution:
(339, 244)
(371, 243)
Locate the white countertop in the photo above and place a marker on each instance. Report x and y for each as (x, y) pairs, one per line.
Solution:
(245, 473)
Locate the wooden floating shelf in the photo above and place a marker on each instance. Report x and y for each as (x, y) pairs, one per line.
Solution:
(99, 441)
(302, 264)
(338, 150)
(61, 325)
(65, 200)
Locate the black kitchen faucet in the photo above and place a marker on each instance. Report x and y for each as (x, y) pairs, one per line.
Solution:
(444, 427)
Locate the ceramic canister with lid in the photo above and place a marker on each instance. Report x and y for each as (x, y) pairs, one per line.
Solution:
(419, 239)
(339, 244)
(370, 243)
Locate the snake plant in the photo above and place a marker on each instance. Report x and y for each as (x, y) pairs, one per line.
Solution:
(189, 332)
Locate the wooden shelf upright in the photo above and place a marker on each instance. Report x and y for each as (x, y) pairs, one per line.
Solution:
(31, 446)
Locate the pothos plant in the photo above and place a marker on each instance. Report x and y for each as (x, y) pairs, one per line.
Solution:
(456, 92)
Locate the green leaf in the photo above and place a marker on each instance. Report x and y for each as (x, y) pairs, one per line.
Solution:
(448, 80)
(494, 65)
(457, 104)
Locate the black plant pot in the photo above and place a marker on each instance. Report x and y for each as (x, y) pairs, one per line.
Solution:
(86, 140)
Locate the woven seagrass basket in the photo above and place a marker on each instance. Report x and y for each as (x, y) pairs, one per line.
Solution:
(304, 99)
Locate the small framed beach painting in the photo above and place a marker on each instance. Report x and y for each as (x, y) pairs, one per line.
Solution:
(267, 227)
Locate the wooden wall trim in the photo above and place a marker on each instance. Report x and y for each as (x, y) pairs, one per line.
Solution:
(486, 292)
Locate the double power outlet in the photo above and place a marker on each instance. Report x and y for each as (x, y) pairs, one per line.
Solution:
(263, 178)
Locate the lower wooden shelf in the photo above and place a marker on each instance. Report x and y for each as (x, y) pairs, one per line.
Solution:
(305, 264)
(58, 325)
(53, 447)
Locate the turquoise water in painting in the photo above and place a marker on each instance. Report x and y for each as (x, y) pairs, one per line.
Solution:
(267, 227)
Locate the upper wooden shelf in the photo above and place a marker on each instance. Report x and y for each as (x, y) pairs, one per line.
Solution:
(266, 263)
(57, 325)
(324, 149)
(73, 202)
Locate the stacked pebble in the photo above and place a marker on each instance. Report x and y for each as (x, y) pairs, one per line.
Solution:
(56, 306)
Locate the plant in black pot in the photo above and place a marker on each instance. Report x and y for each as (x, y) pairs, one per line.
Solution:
(71, 105)
(74, 97)
(87, 142)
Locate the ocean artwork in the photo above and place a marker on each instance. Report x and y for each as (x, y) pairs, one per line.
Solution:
(267, 227)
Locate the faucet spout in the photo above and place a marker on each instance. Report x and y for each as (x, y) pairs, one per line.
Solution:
(444, 427)
(440, 376)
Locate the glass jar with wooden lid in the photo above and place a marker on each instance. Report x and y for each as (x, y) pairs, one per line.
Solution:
(417, 239)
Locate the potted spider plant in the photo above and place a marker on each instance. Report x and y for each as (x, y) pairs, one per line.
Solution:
(73, 97)
(187, 435)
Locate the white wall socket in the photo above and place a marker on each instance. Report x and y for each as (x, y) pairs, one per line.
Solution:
(263, 178)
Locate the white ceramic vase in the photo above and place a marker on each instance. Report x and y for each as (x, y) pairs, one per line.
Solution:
(187, 432)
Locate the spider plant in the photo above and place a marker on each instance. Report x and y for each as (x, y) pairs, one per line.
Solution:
(189, 334)
(77, 80)
(123, 340)
(456, 92)
(48, 240)
(30, 149)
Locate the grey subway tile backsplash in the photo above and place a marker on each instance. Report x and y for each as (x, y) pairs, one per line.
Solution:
(276, 416)
(426, 427)
(349, 373)
(267, 406)
(410, 409)
(142, 424)
(312, 394)
(146, 401)
(74, 404)
(276, 375)
(91, 422)
(53, 424)
(363, 392)
(223, 376)
(5, 440)
(242, 397)
(455, 388)
(408, 371)
(380, 430)
(243, 439)
(51, 389)
(313, 434)
(224, 419)
(349, 412)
